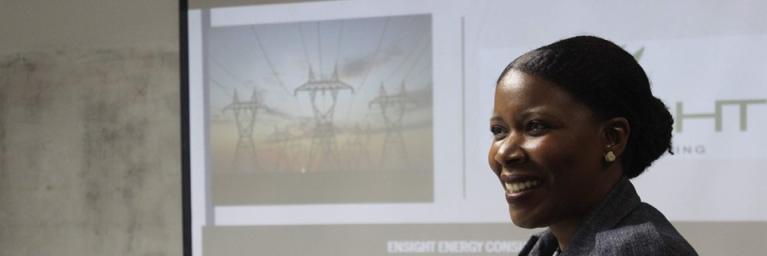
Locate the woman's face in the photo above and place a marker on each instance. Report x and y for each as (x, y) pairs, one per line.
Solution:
(547, 151)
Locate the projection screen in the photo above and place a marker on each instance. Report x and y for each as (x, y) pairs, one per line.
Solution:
(361, 127)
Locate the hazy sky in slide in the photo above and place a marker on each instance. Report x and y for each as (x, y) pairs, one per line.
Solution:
(275, 59)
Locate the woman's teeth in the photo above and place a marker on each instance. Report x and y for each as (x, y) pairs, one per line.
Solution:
(515, 187)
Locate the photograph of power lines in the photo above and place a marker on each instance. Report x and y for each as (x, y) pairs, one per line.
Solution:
(320, 112)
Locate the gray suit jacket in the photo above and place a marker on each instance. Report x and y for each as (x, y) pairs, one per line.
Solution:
(619, 225)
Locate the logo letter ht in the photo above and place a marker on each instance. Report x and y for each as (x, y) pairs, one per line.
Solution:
(717, 115)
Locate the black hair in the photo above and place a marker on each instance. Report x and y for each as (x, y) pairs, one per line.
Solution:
(611, 83)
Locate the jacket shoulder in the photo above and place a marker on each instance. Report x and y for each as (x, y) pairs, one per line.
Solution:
(647, 238)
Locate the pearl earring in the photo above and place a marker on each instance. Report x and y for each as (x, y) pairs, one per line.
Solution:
(610, 157)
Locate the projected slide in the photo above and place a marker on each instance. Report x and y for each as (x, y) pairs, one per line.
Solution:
(361, 127)
(332, 111)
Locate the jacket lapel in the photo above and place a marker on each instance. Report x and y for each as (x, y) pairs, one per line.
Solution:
(621, 201)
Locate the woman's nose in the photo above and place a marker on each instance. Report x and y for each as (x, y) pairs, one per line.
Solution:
(510, 151)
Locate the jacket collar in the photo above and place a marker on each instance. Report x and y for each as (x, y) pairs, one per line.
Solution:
(618, 203)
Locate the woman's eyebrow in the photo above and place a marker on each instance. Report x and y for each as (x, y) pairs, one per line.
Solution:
(536, 110)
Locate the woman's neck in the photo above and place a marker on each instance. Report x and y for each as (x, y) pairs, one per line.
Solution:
(564, 229)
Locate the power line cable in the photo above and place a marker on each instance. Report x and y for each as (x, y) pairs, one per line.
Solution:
(222, 67)
(223, 88)
(417, 60)
(319, 47)
(268, 61)
(375, 54)
(408, 58)
(338, 50)
(303, 45)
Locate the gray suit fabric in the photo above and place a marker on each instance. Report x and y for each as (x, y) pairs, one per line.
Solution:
(620, 225)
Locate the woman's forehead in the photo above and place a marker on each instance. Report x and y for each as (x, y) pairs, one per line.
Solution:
(520, 86)
(521, 93)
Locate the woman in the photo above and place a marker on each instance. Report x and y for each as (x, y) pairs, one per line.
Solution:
(572, 122)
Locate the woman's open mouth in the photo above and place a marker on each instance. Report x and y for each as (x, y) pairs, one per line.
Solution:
(521, 186)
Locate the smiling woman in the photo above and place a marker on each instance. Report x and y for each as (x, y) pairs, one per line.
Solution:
(572, 122)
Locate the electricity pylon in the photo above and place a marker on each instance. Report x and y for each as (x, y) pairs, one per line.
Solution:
(393, 108)
(323, 145)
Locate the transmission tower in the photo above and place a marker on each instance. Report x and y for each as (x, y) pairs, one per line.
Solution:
(357, 146)
(393, 108)
(323, 144)
(245, 116)
(283, 140)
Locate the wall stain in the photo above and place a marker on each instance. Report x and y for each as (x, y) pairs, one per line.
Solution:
(29, 77)
(117, 101)
(9, 70)
(98, 140)
(115, 146)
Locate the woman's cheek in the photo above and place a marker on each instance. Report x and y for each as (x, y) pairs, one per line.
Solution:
(494, 165)
(536, 148)
(547, 152)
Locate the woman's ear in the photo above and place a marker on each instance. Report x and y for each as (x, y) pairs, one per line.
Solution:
(615, 134)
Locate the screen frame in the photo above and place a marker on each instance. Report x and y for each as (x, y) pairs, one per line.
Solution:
(186, 202)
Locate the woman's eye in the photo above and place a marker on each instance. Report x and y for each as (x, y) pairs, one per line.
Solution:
(536, 128)
(497, 131)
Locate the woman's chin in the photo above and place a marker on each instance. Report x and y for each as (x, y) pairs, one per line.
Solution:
(524, 220)
(523, 224)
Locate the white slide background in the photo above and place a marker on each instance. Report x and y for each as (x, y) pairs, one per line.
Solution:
(699, 55)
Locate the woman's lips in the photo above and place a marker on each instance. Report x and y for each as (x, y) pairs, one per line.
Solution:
(520, 187)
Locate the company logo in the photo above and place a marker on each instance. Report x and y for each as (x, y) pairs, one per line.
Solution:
(680, 116)
(638, 54)
(737, 112)
(718, 115)
(707, 125)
